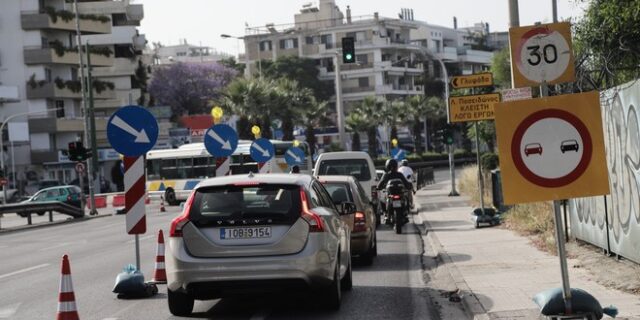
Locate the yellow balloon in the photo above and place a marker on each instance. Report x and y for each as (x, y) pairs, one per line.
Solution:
(217, 112)
(255, 130)
(296, 143)
(394, 142)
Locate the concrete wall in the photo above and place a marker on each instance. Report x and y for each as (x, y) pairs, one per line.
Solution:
(616, 225)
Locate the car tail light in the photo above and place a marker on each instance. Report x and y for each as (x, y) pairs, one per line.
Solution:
(68, 198)
(178, 222)
(359, 222)
(395, 197)
(316, 224)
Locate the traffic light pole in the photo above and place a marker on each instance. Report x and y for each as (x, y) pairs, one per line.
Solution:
(92, 163)
(339, 107)
(452, 164)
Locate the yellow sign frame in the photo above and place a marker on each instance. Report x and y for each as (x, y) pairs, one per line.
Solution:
(473, 107)
(518, 35)
(476, 80)
(591, 181)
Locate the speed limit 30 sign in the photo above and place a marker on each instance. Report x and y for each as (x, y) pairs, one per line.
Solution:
(541, 53)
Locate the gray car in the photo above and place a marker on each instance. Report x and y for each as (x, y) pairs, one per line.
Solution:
(247, 234)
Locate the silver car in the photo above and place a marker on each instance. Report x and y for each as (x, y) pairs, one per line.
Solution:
(258, 233)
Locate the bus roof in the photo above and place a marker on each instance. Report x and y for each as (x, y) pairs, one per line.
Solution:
(198, 149)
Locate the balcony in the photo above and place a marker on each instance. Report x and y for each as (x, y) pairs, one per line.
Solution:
(403, 89)
(49, 90)
(34, 56)
(9, 94)
(134, 12)
(476, 56)
(357, 89)
(34, 20)
(120, 67)
(448, 54)
(53, 125)
(45, 156)
(121, 99)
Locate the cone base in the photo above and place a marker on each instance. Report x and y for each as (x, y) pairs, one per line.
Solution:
(68, 315)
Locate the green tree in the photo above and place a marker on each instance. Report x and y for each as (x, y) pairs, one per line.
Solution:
(231, 63)
(417, 111)
(501, 68)
(371, 110)
(303, 70)
(314, 115)
(607, 44)
(356, 123)
(292, 100)
(487, 130)
(254, 101)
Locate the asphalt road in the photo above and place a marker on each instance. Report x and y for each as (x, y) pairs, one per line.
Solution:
(99, 248)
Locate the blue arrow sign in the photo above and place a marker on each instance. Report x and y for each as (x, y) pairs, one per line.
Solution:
(262, 150)
(132, 131)
(221, 140)
(398, 154)
(294, 155)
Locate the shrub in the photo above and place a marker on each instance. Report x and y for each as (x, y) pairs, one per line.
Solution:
(489, 161)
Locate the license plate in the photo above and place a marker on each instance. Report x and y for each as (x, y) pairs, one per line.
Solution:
(245, 233)
(397, 204)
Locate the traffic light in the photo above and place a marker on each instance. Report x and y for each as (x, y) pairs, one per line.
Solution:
(348, 50)
(77, 152)
(448, 135)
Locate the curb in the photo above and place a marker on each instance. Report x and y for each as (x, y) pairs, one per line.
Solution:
(50, 224)
(470, 302)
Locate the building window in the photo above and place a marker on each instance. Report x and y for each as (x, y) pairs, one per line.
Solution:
(362, 58)
(288, 43)
(59, 109)
(47, 74)
(363, 82)
(265, 45)
(181, 54)
(327, 40)
(309, 40)
(123, 51)
(119, 19)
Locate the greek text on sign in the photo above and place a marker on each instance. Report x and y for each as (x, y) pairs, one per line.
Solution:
(473, 108)
(472, 81)
(541, 53)
(553, 148)
(516, 94)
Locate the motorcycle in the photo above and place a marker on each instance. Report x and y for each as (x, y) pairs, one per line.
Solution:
(397, 204)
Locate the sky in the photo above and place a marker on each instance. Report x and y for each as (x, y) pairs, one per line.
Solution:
(202, 21)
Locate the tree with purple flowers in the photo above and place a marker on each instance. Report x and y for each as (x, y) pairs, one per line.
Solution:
(188, 87)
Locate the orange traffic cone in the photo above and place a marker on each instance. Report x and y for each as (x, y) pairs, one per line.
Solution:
(66, 300)
(162, 209)
(159, 274)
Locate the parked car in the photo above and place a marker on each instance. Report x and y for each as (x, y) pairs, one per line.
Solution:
(568, 145)
(34, 187)
(363, 223)
(66, 194)
(351, 163)
(258, 233)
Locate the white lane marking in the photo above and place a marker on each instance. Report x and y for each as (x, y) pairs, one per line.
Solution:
(23, 270)
(261, 314)
(142, 238)
(7, 312)
(111, 319)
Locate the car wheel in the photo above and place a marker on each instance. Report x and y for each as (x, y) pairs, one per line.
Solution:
(346, 283)
(331, 296)
(180, 304)
(367, 258)
(170, 197)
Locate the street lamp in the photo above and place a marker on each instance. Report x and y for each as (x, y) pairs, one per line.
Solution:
(227, 36)
(4, 187)
(445, 79)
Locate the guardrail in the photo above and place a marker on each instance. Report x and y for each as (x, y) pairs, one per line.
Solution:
(27, 209)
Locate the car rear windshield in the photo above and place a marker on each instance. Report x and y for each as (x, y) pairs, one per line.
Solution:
(358, 168)
(339, 192)
(278, 202)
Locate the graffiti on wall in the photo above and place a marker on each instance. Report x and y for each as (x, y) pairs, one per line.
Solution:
(621, 229)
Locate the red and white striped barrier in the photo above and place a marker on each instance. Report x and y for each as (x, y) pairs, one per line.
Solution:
(135, 194)
(159, 273)
(67, 309)
(223, 167)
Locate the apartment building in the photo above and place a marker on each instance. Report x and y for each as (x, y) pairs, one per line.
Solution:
(39, 60)
(391, 53)
(185, 52)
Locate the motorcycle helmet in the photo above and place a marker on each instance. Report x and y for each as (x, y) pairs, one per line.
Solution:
(405, 163)
(391, 165)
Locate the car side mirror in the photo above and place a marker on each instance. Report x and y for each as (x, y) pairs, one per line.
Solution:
(347, 208)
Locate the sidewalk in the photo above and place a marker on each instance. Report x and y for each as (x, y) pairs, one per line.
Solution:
(497, 271)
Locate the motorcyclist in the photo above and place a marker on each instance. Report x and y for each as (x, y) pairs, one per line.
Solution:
(295, 169)
(408, 173)
(391, 172)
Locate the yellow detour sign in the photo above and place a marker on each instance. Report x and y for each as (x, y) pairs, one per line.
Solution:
(472, 108)
(541, 53)
(472, 81)
(551, 148)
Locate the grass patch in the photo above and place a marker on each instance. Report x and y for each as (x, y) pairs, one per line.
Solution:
(531, 219)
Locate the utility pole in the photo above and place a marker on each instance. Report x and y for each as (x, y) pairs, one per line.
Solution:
(339, 107)
(514, 15)
(92, 164)
(83, 88)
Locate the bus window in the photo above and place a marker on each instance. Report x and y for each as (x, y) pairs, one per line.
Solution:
(203, 167)
(185, 168)
(168, 169)
(153, 169)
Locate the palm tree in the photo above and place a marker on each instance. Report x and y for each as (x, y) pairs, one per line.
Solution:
(292, 101)
(371, 110)
(417, 109)
(254, 101)
(356, 122)
(314, 115)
